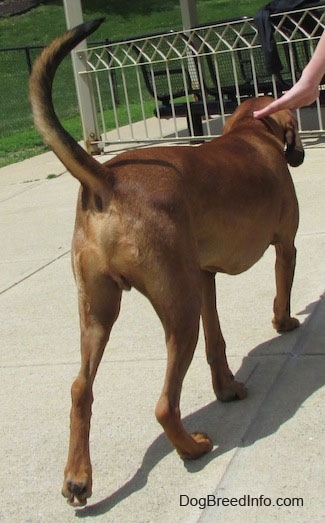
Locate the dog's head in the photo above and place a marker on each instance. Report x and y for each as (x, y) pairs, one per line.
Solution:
(281, 124)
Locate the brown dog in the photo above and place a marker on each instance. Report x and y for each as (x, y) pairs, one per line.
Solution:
(164, 220)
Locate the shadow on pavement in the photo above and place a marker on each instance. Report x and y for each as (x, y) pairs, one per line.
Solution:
(223, 421)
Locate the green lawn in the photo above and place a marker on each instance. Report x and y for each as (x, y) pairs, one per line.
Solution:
(124, 18)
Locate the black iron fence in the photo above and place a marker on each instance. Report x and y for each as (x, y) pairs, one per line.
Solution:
(15, 111)
(15, 67)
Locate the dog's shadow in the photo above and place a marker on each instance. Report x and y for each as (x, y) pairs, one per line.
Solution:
(223, 421)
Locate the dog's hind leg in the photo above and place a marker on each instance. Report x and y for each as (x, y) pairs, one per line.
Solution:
(99, 303)
(284, 272)
(177, 300)
(224, 385)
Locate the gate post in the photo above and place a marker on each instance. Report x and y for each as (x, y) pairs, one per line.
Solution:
(85, 95)
(189, 13)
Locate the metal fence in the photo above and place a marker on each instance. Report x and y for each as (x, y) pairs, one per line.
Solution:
(15, 110)
(181, 85)
(177, 85)
(14, 72)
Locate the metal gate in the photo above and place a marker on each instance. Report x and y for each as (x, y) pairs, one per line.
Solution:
(180, 86)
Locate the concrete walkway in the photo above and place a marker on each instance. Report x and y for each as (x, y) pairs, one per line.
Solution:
(270, 447)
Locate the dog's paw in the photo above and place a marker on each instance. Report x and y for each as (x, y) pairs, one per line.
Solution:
(234, 390)
(77, 491)
(285, 325)
(203, 444)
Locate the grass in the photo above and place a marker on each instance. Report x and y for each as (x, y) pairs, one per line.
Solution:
(18, 139)
(18, 146)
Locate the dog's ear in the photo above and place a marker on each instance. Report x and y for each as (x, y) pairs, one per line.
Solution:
(294, 152)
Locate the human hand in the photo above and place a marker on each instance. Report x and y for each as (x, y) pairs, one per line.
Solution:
(301, 94)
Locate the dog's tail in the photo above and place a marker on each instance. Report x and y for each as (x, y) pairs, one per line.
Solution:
(80, 164)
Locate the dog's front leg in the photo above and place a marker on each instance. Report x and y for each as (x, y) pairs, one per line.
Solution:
(284, 273)
(224, 385)
(99, 302)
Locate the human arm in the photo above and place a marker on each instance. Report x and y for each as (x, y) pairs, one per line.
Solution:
(306, 90)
